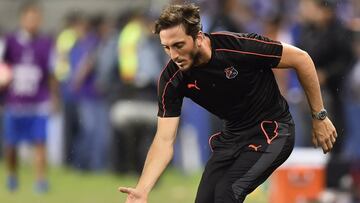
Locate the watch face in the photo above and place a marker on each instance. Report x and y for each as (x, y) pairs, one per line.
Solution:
(322, 115)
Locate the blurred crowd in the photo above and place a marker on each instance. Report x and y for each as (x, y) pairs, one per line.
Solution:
(99, 74)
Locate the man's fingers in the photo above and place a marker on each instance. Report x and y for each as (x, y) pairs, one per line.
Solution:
(325, 148)
(333, 138)
(315, 141)
(324, 145)
(335, 134)
(329, 144)
(125, 190)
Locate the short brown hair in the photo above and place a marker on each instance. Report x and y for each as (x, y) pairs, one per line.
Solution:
(30, 5)
(187, 15)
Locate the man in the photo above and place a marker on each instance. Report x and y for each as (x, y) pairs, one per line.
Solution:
(230, 75)
(27, 98)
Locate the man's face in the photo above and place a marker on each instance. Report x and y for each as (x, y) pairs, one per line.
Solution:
(181, 48)
(31, 20)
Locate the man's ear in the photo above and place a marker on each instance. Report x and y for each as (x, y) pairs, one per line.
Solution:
(199, 38)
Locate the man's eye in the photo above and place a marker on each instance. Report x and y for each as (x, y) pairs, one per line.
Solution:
(179, 46)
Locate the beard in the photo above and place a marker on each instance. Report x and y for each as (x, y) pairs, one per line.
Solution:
(194, 59)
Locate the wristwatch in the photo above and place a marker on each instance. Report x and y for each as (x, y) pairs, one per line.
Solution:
(321, 115)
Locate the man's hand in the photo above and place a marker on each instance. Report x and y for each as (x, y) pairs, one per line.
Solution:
(324, 134)
(134, 195)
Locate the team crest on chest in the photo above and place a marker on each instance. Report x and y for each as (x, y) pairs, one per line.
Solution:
(230, 72)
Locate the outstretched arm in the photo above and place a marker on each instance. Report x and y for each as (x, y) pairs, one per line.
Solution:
(158, 157)
(324, 132)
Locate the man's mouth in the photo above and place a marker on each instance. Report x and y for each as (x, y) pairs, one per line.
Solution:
(180, 63)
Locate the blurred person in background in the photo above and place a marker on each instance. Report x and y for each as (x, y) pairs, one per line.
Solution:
(140, 58)
(92, 143)
(2, 44)
(225, 17)
(107, 84)
(229, 74)
(328, 42)
(351, 148)
(28, 98)
(74, 30)
(2, 80)
(66, 39)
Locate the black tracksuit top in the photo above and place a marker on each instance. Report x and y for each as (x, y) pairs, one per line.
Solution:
(237, 84)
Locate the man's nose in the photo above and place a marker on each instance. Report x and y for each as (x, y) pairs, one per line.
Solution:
(174, 54)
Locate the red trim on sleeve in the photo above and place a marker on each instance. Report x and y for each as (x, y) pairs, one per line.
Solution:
(158, 83)
(246, 38)
(163, 95)
(249, 53)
